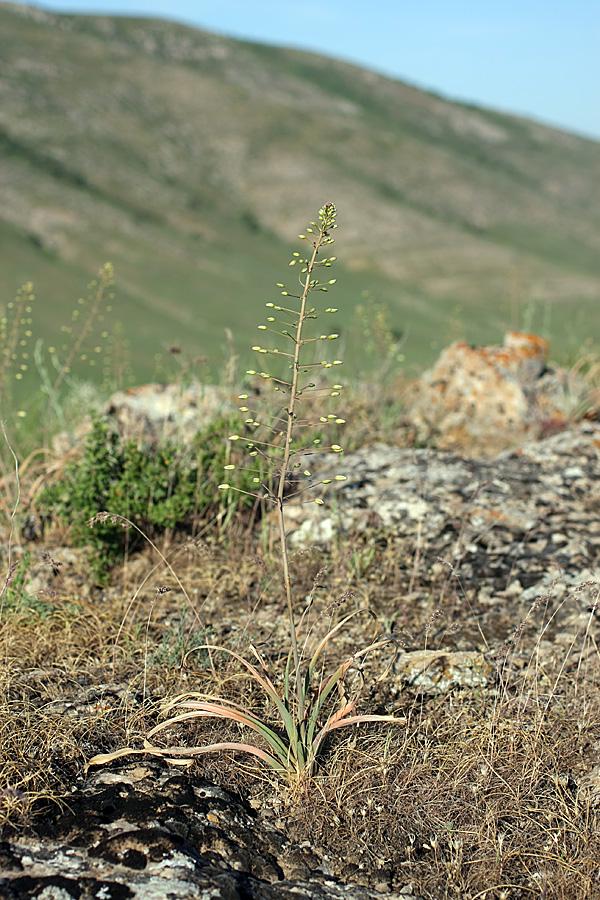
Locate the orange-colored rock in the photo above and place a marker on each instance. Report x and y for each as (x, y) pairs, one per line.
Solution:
(481, 400)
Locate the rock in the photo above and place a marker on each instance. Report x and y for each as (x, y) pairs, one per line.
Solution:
(524, 524)
(47, 573)
(147, 832)
(64, 442)
(154, 412)
(482, 400)
(168, 411)
(439, 671)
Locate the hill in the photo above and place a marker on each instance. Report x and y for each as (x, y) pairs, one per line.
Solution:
(191, 161)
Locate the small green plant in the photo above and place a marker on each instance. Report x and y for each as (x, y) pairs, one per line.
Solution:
(81, 346)
(361, 559)
(14, 596)
(15, 340)
(159, 489)
(14, 593)
(178, 641)
(36, 381)
(375, 342)
(302, 694)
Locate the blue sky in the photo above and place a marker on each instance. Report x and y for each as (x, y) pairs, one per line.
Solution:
(539, 58)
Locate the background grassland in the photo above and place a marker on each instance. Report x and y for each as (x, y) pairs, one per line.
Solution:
(188, 159)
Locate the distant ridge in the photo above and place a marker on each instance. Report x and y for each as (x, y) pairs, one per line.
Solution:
(191, 161)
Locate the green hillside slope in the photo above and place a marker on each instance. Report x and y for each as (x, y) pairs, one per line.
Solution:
(191, 161)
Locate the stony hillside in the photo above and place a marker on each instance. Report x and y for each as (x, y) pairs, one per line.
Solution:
(191, 160)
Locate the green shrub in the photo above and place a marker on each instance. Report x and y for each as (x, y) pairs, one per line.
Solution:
(160, 489)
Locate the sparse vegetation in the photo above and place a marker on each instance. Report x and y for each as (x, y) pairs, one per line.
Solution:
(469, 794)
(144, 610)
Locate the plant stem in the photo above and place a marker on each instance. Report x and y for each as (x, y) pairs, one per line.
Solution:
(284, 468)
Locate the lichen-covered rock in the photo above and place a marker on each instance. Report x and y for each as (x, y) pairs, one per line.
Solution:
(439, 671)
(156, 412)
(149, 833)
(523, 523)
(481, 400)
(168, 411)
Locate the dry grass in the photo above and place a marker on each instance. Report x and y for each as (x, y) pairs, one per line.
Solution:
(480, 794)
(467, 803)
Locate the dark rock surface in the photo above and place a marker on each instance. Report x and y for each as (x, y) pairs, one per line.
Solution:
(145, 831)
(521, 525)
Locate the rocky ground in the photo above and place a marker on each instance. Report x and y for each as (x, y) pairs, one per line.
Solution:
(484, 572)
(145, 832)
